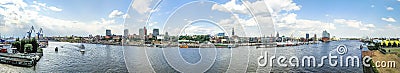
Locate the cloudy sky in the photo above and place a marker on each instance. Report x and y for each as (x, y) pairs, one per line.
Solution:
(342, 18)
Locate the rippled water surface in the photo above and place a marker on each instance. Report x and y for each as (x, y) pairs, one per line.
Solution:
(246, 56)
(107, 58)
(97, 58)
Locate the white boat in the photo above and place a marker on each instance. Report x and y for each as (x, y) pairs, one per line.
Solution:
(287, 43)
(43, 43)
(82, 48)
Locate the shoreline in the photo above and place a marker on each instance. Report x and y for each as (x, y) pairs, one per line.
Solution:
(378, 57)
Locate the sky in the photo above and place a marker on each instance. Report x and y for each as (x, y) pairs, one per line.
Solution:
(341, 18)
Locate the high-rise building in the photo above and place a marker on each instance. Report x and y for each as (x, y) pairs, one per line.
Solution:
(315, 37)
(221, 34)
(142, 33)
(277, 34)
(126, 33)
(166, 36)
(233, 31)
(145, 30)
(108, 32)
(155, 32)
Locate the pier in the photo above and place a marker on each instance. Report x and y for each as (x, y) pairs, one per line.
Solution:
(20, 59)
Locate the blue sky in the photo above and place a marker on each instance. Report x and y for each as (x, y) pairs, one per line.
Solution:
(374, 18)
(349, 9)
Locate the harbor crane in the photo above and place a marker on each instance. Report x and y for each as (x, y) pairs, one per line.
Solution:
(30, 32)
(40, 33)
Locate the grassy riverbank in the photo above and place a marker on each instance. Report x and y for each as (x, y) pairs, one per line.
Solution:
(391, 56)
(395, 51)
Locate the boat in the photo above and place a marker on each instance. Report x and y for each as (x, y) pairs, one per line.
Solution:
(364, 45)
(82, 48)
(18, 59)
(5, 48)
(183, 46)
(225, 45)
(266, 45)
(56, 49)
(43, 43)
(161, 45)
(287, 43)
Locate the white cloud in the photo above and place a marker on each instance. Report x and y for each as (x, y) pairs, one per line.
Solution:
(45, 7)
(125, 16)
(282, 5)
(230, 6)
(389, 19)
(142, 6)
(259, 6)
(288, 24)
(52, 8)
(254, 14)
(350, 23)
(19, 17)
(354, 24)
(115, 13)
(197, 29)
(370, 25)
(17, 3)
(389, 8)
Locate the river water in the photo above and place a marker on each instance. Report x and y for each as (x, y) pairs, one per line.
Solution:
(97, 58)
(108, 58)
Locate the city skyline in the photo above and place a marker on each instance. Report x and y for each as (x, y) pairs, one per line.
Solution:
(341, 18)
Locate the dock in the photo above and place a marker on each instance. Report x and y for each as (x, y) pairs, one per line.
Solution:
(20, 59)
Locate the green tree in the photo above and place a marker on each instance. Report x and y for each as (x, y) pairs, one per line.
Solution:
(35, 45)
